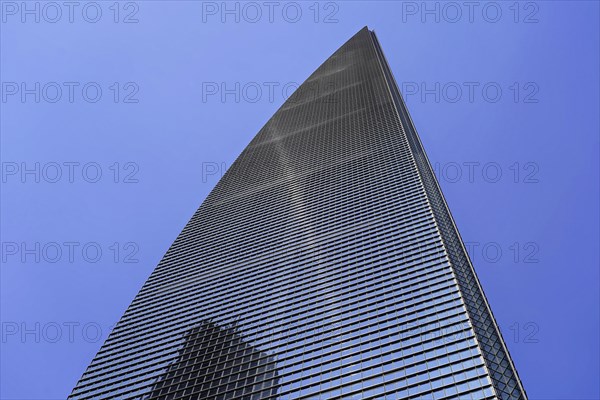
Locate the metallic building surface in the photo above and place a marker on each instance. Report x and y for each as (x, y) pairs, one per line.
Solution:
(325, 264)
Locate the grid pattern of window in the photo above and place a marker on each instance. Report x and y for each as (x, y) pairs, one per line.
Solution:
(323, 265)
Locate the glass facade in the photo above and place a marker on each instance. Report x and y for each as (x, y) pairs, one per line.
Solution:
(325, 264)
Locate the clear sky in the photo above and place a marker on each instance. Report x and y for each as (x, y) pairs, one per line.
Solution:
(117, 120)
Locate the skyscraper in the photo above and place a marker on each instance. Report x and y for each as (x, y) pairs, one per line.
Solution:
(325, 264)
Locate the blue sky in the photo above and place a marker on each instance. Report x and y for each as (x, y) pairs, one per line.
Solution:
(117, 121)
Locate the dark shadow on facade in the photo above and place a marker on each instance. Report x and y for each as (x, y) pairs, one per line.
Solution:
(216, 363)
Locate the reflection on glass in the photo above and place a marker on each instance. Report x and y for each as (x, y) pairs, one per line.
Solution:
(216, 362)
